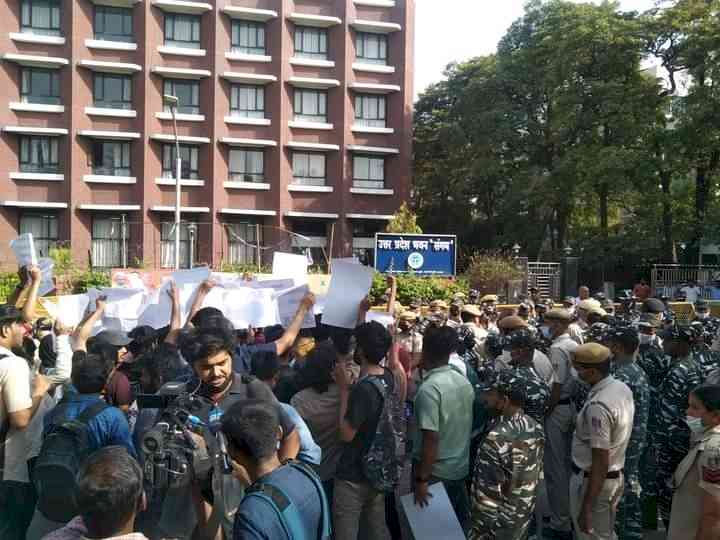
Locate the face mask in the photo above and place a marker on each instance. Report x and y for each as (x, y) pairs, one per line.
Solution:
(645, 339)
(695, 424)
(545, 331)
(703, 315)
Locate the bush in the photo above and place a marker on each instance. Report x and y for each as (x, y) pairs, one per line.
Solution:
(489, 273)
(412, 287)
(89, 280)
(8, 282)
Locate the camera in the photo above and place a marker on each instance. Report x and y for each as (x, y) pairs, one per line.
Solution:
(173, 458)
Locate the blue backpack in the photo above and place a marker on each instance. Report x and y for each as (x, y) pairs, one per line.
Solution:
(288, 513)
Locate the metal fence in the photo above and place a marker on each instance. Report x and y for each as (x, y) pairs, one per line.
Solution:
(667, 279)
(546, 276)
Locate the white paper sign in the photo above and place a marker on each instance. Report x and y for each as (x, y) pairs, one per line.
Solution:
(349, 285)
(277, 285)
(382, 317)
(47, 284)
(194, 276)
(290, 265)
(124, 303)
(24, 248)
(437, 520)
(251, 307)
(288, 304)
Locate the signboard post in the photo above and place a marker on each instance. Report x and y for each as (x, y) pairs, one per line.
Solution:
(420, 254)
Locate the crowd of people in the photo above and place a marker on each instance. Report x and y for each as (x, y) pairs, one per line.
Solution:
(583, 420)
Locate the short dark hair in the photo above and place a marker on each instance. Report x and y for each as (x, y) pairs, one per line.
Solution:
(9, 315)
(374, 340)
(90, 372)
(199, 343)
(203, 318)
(440, 342)
(316, 371)
(251, 427)
(629, 342)
(467, 317)
(709, 396)
(264, 365)
(109, 490)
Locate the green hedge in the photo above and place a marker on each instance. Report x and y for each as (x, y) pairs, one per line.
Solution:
(423, 288)
(79, 284)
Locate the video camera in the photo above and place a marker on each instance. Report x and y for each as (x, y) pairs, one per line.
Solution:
(172, 457)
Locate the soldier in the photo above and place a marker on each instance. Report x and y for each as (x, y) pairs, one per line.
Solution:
(508, 466)
(541, 363)
(522, 351)
(672, 438)
(623, 342)
(602, 433)
(558, 424)
(706, 358)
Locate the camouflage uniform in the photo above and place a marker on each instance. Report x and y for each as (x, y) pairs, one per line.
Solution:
(505, 480)
(656, 365)
(672, 438)
(628, 524)
(537, 393)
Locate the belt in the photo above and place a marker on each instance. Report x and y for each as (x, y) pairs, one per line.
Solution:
(611, 475)
(566, 401)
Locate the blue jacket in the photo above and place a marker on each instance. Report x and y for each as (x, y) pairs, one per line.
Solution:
(108, 428)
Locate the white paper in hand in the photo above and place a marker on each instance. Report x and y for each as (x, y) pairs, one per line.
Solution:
(251, 307)
(290, 265)
(24, 248)
(437, 520)
(382, 317)
(71, 308)
(124, 303)
(47, 283)
(288, 304)
(349, 285)
(194, 276)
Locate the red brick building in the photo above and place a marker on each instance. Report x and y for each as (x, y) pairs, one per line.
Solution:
(293, 115)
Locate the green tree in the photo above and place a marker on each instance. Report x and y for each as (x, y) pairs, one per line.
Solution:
(404, 221)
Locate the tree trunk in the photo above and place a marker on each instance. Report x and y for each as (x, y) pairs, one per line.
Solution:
(603, 195)
(702, 191)
(667, 218)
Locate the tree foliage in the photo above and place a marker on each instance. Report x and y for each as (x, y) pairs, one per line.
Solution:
(571, 136)
(404, 221)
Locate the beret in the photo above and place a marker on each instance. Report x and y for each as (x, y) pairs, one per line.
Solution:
(489, 298)
(512, 322)
(558, 315)
(589, 304)
(473, 310)
(653, 305)
(592, 354)
(438, 304)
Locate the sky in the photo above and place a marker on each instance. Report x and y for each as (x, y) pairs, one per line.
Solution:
(455, 30)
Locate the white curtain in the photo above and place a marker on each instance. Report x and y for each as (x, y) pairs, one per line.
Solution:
(107, 243)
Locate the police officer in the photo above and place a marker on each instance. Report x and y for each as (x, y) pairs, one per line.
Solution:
(623, 342)
(409, 338)
(508, 465)
(522, 351)
(672, 438)
(559, 422)
(602, 433)
(540, 362)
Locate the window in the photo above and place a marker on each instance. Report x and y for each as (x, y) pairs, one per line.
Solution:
(187, 92)
(309, 169)
(247, 101)
(113, 24)
(310, 106)
(111, 158)
(109, 242)
(371, 48)
(369, 172)
(370, 110)
(248, 37)
(112, 91)
(40, 17)
(44, 229)
(242, 239)
(182, 30)
(311, 42)
(40, 86)
(189, 157)
(188, 244)
(39, 154)
(247, 165)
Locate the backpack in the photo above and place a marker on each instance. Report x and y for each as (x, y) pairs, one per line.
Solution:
(382, 463)
(63, 450)
(289, 515)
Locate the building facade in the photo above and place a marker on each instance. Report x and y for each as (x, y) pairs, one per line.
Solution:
(294, 123)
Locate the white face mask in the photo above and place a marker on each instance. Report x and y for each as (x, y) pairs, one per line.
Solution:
(545, 331)
(695, 424)
(703, 315)
(646, 339)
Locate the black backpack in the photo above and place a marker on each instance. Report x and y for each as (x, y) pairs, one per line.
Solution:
(63, 450)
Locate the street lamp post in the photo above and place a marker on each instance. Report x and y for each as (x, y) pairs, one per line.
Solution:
(172, 102)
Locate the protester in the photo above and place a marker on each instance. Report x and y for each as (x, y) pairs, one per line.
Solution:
(444, 415)
(109, 495)
(602, 433)
(696, 501)
(508, 465)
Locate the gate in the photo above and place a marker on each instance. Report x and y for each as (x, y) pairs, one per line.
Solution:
(546, 277)
(666, 279)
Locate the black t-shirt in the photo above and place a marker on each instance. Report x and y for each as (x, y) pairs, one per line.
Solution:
(364, 407)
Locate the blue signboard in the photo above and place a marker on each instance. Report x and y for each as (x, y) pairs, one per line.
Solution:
(421, 254)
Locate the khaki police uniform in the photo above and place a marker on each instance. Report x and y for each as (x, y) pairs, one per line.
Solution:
(605, 422)
(559, 427)
(697, 475)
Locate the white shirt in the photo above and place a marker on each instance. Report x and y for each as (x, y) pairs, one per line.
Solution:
(691, 293)
(15, 395)
(561, 352)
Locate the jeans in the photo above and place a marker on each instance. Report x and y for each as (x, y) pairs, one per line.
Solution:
(358, 508)
(17, 504)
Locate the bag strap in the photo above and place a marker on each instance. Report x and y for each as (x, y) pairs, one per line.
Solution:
(325, 526)
(92, 411)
